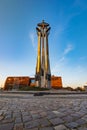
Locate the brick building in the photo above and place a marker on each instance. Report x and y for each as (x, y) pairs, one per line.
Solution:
(15, 82)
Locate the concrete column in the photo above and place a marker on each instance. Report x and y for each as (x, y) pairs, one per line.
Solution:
(39, 53)
(47, 64)
(38, 66)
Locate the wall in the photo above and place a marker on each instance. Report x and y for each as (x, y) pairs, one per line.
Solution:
(14, 82)
(56, 82)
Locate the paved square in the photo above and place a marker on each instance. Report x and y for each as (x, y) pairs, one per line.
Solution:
(48, 112)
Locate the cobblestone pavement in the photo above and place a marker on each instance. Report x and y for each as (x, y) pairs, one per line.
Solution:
(52, 112)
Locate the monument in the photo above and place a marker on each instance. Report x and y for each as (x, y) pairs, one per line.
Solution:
(43, 73)
(43, 76)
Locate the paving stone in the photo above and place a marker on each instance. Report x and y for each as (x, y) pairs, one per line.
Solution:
(8, 126)
(30, 129)
(60, 127)
(8, 113)
(59, 114)
(51, 116)
(25, 113)
(82, 128)
(76, 116)
(32, 124)
(73, 129)
(72, 125)
(47, 128)
(27, 118)
(8, 117)
(43, 114)
(36, 116)
(33, 112)
(18, 120)
(56, 121)
(84, 117)
(1, 117)
(0, 113)
(44, 122)
(67, 119)
(18, 126)
(81, 122)
(56, 112)
(8, 120)
(16, 115)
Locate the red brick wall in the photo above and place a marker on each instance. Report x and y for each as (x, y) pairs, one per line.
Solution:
(11, 81)
(56, 82)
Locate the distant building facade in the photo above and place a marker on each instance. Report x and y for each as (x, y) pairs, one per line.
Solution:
(16, 82)
(56, 82)
(85, 87)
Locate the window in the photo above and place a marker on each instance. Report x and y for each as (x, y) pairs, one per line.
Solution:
(32, 80)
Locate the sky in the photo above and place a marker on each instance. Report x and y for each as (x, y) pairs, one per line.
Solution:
(67, 38)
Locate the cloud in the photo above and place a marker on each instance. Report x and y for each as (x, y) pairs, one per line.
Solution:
(63, 20)
(68, 49)
(62, 59)
(83, 58)
(61, 68)
(33, 38)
